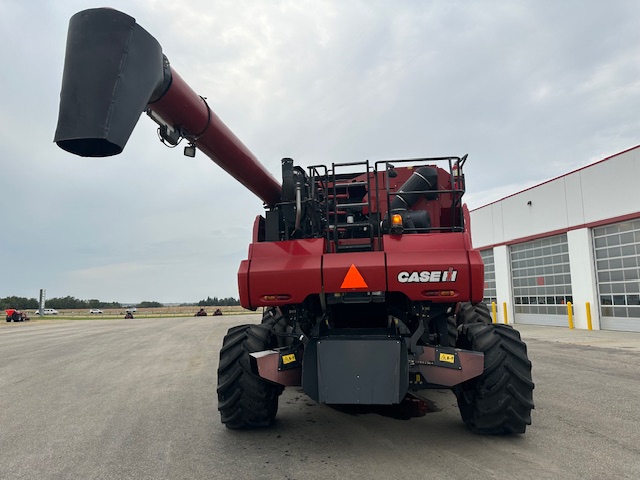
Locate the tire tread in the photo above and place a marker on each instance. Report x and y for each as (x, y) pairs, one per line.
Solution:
(501, 399)
(244, 399)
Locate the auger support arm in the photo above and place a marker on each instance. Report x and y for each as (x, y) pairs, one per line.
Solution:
(115, 70)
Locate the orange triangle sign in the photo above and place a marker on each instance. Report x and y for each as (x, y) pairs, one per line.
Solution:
(353, 279)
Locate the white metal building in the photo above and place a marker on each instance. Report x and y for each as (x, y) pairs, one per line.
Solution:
(574, 239)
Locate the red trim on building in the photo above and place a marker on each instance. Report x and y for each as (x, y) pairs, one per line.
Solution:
(558, 177)
(552, 233)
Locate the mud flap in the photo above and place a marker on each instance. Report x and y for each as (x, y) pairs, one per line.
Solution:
(282, 366)
(444, 366)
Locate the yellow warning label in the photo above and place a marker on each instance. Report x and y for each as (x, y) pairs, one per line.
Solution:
(447, 357)
(289, 358)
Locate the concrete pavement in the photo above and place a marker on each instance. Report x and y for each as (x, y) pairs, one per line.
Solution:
(628, 341)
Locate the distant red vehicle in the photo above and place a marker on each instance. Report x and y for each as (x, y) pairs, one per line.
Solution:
(16, 315)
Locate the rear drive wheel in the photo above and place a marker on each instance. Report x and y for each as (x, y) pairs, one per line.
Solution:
(244, 399)
(501, 399)
(274, 318)
(470, 313)
(452, 331)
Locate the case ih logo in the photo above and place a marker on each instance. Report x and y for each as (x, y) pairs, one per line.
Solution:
(428, 277)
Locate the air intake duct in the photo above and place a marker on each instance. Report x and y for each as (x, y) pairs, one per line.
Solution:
(113, 68)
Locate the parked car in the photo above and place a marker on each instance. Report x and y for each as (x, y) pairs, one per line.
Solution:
(47, 311)
(95, 310)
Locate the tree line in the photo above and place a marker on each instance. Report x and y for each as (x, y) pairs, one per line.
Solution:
(69, 303)
(221, 302)
(59, 303)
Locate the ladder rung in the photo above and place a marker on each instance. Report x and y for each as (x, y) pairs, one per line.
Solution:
(351, 164)
(351, 184)
(355, 246)
(353, 224)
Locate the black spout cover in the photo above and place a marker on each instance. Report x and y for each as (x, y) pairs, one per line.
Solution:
(112, 68)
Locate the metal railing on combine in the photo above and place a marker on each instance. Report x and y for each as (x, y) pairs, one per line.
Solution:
(347, 214)
(455, 164)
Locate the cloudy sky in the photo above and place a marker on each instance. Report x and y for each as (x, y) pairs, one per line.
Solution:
(529, 89)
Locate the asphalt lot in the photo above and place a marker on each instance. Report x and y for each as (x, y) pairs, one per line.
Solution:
(135, 399)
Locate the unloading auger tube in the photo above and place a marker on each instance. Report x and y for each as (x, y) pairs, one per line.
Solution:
(114, 70)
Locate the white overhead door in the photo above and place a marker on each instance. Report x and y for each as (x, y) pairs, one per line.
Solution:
(617, 255)
(541, 281)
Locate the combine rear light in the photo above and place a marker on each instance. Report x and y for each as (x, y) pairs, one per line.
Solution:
(439, 293)
(275, 298)
(396, 223)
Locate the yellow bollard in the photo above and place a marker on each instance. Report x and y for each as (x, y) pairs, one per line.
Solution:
(494, 311)
(589, 325)
(504, 311)
(570, 312)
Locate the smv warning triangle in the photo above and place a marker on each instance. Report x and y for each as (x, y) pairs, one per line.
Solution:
(353, 279)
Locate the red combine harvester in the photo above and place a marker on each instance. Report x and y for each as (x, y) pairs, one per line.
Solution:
(370, 287)
(16, 315)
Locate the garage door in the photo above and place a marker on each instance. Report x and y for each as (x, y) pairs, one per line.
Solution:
(541, 281)
(617, 254)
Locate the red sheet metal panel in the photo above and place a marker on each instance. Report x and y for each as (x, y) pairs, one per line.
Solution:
(369, 265)
(428, 266)
(282, 273)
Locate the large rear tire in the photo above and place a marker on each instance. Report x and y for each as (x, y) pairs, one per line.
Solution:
(279, 324)
(470, 313)
(452, 331)
(501, 399)
(244, 399)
